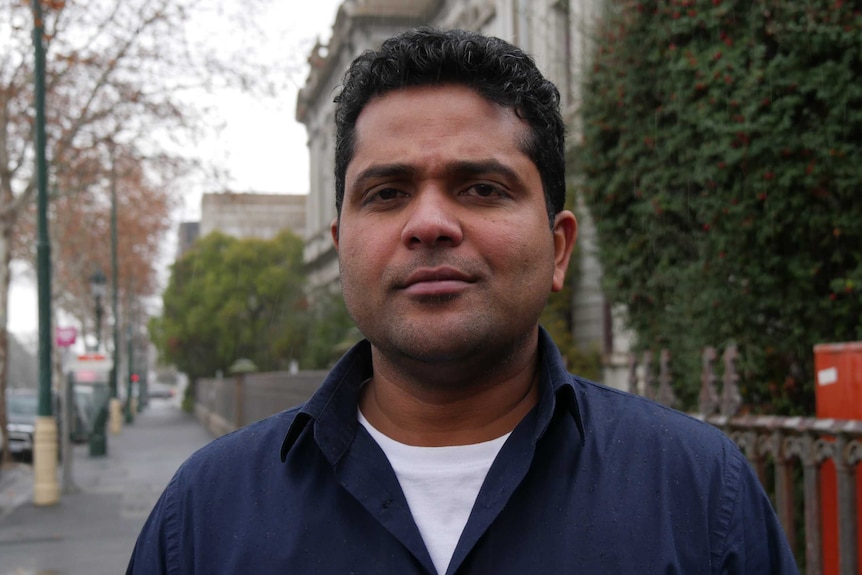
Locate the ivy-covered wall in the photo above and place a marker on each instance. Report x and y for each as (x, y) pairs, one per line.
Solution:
(722, 162)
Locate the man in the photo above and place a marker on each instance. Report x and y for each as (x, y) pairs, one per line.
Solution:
(452, 440)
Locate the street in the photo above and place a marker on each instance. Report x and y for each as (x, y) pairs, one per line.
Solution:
(92, 530)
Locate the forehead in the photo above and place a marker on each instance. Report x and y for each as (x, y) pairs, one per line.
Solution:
(433, 121)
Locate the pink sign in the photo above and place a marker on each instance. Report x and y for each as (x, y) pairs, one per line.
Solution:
(65, 336)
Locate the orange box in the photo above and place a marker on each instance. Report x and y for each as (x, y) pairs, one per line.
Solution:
(838, 393)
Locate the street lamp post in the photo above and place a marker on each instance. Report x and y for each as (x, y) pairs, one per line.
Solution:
(46, 488)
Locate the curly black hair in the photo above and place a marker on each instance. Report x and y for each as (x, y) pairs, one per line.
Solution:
(496, 69)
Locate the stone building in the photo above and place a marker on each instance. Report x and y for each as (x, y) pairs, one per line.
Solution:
(252, 215)
(555, 32)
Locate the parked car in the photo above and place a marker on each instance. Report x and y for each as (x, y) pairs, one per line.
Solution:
(160, 390)
(22, 407)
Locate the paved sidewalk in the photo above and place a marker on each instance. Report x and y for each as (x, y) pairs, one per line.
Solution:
(92, 531)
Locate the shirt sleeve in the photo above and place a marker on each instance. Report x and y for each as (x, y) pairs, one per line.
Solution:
(156, 550)
(750, 538)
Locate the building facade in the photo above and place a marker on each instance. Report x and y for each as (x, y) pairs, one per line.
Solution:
(557, 33)
(253, 215)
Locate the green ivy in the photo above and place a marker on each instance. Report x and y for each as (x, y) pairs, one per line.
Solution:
(722, 162)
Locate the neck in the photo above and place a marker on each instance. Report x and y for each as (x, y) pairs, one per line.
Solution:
(452, 406)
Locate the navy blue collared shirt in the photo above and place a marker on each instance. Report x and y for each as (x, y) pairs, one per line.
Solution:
(592, 481)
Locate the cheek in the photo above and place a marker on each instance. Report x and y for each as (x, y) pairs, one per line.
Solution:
(354, 280)
(533, 262)
(358, 262)
(518, 248)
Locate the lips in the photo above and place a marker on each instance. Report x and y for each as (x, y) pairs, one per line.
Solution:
(437, 281)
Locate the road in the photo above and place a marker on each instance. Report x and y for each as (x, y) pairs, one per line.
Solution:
(92, 531)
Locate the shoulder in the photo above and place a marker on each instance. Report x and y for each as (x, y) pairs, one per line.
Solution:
(689, 469)
(246, 447)
(607, 411)
(229, 470)
(208, 497)
(629, 434)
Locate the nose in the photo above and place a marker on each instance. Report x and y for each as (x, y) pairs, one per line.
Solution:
(432, 220)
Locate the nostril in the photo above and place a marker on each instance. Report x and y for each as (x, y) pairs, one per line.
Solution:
(432, 241)
(442, 240)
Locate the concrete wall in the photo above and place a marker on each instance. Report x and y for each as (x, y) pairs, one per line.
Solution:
(225, 404)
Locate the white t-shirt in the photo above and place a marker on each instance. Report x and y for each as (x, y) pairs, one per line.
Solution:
(440, 485)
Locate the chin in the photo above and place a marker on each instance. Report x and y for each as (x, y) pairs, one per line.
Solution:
(451, 347)
(425, 346)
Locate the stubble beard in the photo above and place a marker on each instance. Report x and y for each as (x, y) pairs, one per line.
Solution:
(470, 357)
(470, 345)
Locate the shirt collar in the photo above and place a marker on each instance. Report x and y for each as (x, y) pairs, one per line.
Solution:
(336, 400)
(333, 406)
(557, 388)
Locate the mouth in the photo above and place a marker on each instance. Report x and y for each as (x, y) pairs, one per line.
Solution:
(439, 281)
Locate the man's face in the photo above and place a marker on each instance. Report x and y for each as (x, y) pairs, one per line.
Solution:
(443, 239)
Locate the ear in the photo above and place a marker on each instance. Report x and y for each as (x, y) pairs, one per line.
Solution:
(333, 229)
(565, 233)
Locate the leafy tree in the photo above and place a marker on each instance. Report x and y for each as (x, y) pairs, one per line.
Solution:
(231, 298)
(721, 164)
(331, 331)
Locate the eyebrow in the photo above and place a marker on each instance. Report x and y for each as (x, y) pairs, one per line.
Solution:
(381, 171)
(458, 168)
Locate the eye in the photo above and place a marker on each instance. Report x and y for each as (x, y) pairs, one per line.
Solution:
(387, 194)
(384, 195)
(485, 190)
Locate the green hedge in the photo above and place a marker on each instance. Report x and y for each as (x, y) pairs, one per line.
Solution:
(722, 161)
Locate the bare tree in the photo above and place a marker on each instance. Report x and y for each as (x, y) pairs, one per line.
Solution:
(123, 80)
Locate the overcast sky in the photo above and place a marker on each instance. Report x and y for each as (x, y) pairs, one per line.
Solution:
(262, 145)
